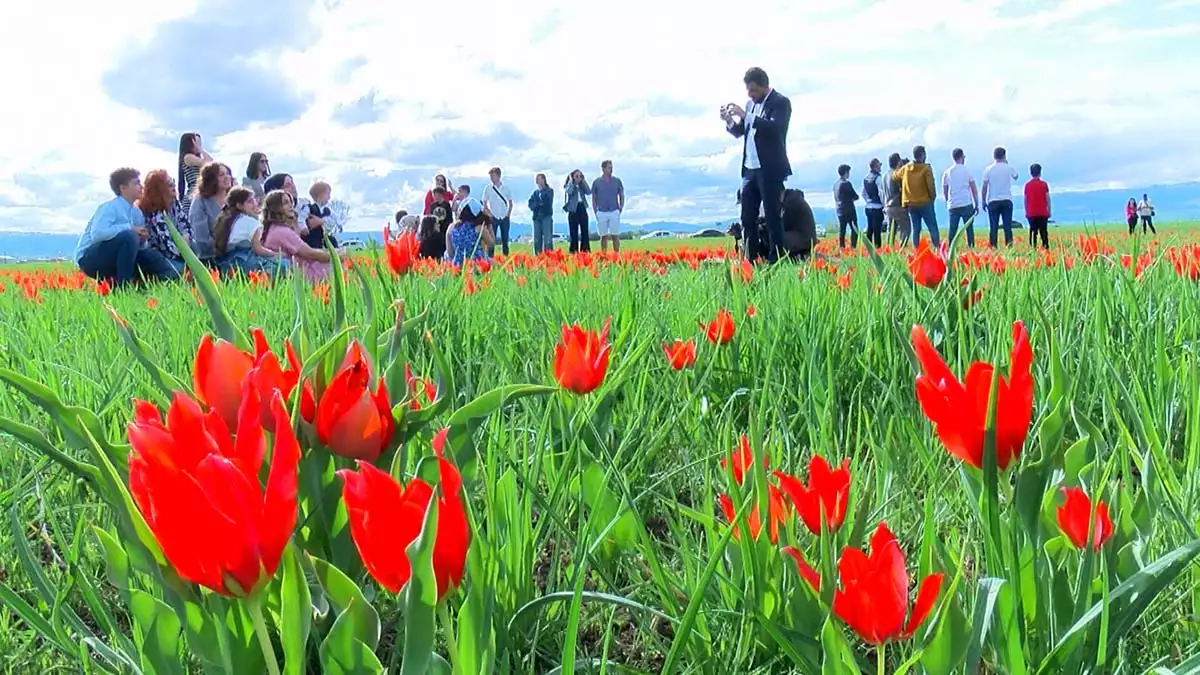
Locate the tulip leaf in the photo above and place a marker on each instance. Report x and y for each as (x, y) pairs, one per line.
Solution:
(342, 653)
(166, 383)
(32, 619)
(337, 282)
(295, 613)
(160, 630)
(320, 353)
(421, 599)
(223, 324)
(36, 439)
(491, 401)
(838, 658)
(116, 562)
(986, 594)
(370, 324)
(343, 595)
(1125, 603)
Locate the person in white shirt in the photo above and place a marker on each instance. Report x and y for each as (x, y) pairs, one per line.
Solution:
(497, 203)
(1145, 211)
(997, 195)
(962, 198)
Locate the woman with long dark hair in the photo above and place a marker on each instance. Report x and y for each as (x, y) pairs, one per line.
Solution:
(577, 191)
(211, 189)
(279, 236)
(192, 156)
(160, 204)
(257, 173)
(439, 181)
(1131, 214)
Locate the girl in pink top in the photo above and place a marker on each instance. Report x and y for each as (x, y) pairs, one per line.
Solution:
(1131, 214)
(280, 236)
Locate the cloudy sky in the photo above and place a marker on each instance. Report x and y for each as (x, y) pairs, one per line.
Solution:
(376, 97)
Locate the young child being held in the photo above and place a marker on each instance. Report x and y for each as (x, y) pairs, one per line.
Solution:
(329, 225)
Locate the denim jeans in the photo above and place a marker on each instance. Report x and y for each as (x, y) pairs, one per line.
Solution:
(963, 214)
(502, 228)
(543, 234)
(246, 261)
(998, 210)
(119, 258)
(924, 212)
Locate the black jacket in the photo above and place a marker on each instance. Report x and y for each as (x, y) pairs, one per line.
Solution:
(770, 136)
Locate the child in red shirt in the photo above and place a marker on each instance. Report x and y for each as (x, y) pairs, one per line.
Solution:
(1037, 206)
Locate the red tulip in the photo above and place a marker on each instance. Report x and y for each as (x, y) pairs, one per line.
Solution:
(268, 376)
(959, 411)
(777, 513)
(217, 377)
(385, 517)
(402, 252)
(351, 420)
(928, 267)
(1073, 517)
(581, 359)
(720, 331)
(421, 391)
(198, 489)
(827, 493)
(741, 459)
(873, 594)
(812, 576)
(681, 354)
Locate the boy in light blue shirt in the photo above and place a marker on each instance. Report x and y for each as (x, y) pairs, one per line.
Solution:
(110, 247)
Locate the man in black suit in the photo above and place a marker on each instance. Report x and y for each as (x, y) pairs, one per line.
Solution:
(763, 126)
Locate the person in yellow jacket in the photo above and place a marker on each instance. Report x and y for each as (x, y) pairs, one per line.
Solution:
(918, 194)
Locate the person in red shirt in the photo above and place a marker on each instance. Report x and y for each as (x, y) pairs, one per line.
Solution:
(1037, 206)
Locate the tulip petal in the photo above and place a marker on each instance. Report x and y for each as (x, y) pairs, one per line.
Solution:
(927, 596)
(279, 508)
(806, 571)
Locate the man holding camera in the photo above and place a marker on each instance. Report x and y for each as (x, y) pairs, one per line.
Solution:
(763, 127)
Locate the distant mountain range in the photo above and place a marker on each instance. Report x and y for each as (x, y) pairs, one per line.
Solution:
(1180, 202)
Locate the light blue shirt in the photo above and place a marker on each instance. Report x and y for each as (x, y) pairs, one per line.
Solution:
(110, 219)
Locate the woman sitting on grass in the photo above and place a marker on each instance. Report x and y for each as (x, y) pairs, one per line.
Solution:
(280, 235)
(237, 235)
(160, 204)
(471, 236)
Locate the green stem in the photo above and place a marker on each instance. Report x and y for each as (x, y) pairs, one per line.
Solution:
(254, 607)
(881, 655)
(451, 643)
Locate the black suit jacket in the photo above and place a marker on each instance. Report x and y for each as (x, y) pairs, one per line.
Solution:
(770, 136)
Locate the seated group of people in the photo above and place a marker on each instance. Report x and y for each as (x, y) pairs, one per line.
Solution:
(454, 229)
(260, 227)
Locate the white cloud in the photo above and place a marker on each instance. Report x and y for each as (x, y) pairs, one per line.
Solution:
(644, 77)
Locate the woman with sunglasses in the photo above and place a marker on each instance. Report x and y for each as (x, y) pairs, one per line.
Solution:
(257, 173)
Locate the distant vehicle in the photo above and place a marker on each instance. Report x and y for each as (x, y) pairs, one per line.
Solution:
(352, 245)
(708, 232)
(820, 230)
(557, 237)
(657, 234)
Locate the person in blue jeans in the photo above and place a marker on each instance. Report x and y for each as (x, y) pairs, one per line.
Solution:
(113, 244)
(997, 195)
(541, 205)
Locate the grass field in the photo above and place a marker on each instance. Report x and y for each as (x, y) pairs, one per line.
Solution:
(599, 540)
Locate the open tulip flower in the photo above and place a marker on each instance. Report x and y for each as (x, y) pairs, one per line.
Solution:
(581, 359)
(827, 492)
(928, 267)
(741, 460)
(385, 517)
(872, 597)
(402, 251)
(958, 410)
(422, 392)
(217, 377)
(351, 421)
(1073, 517)
(681, 354)
(198, 488)
(720, 331)
(268, 375)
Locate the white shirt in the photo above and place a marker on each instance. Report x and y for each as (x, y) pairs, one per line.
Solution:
(1145, 208)
(958, 179)
(998, 181)
(496, 199)
(753, 110)
(242, 230)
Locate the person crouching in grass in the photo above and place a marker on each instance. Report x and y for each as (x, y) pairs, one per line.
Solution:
(281, 235)
(113, 244)
(238, 234)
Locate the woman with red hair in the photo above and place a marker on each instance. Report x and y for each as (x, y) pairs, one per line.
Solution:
(160, 204)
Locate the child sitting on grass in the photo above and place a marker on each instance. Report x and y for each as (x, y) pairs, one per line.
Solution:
(329, 224)
(280, 236)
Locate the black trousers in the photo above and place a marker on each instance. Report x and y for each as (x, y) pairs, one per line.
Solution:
(875, 226)
(845, 220)
(316, 239)
(1132, 223)
(759, 191)
(1038, 224)
(577, 223)
(1148, 221)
